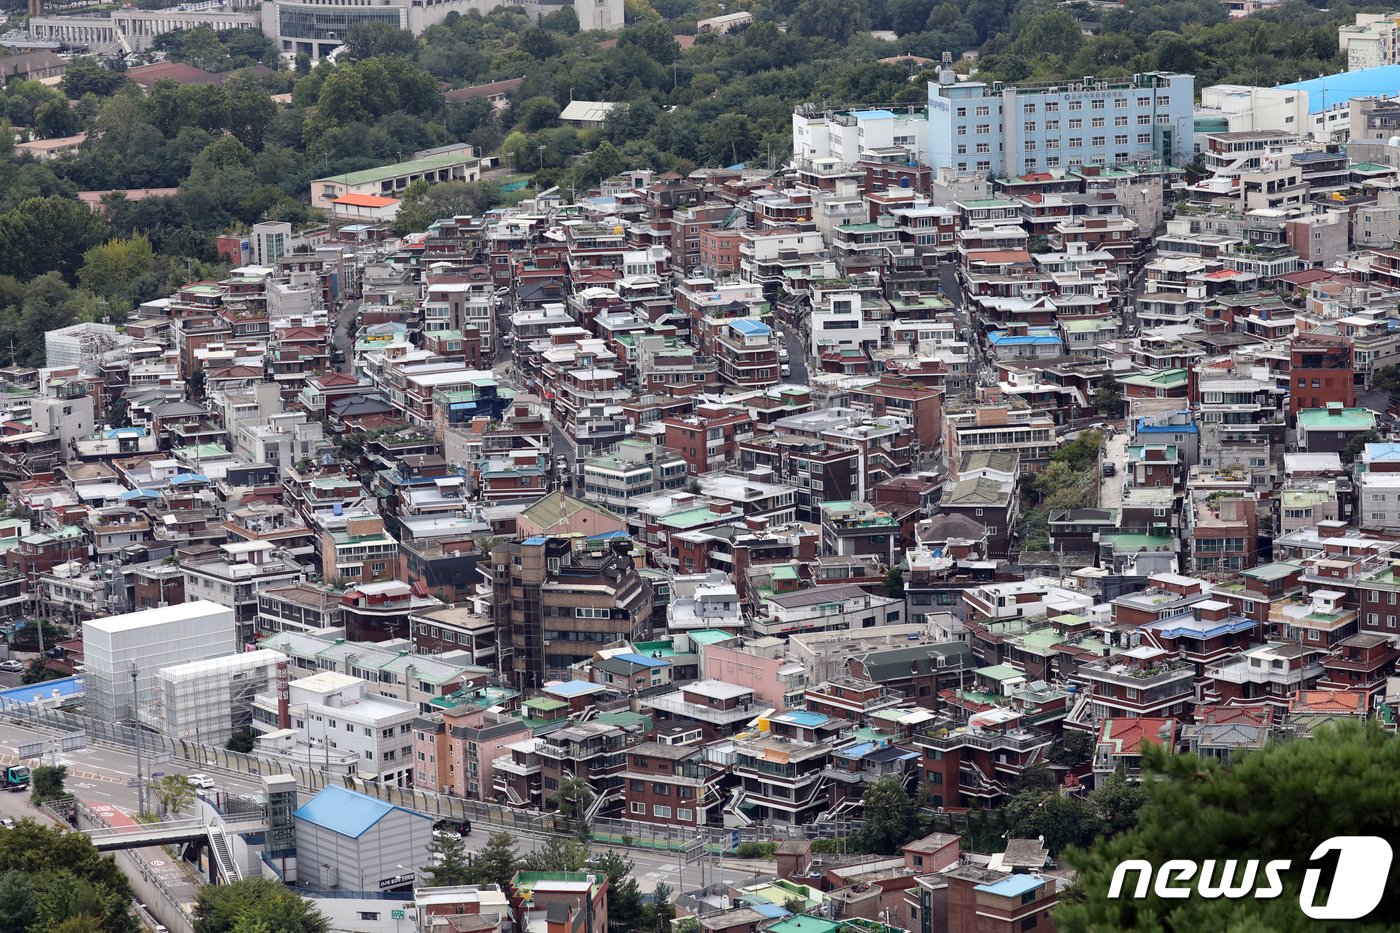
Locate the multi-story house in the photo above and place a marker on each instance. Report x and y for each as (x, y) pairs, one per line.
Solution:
(708, 439)
(1364, 662)
(1141, 681)
(1015, 130)
(593, 752)
(967, 766)
(672, 784)
(718, 708)
(558, 600)
(233, 575)
(633, 471)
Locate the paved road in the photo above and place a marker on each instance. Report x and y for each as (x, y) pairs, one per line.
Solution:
(342, 337)
(1111, 487)
(99, 775)
(797, 354)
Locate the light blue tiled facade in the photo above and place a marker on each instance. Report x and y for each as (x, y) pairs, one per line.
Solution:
(976, 127)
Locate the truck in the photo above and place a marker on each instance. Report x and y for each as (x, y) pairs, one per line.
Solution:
(16, 778)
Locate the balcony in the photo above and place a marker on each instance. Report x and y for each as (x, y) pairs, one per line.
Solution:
(509, 765)
(674, 704)
(1019, 740)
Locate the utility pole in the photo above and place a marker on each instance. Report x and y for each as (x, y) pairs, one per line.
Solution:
(136, 723)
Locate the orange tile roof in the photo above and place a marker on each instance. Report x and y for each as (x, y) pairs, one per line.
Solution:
(1127, 735)
(1352, 702)
(365, 200)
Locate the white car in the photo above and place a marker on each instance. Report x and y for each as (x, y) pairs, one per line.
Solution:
(11, 665)
(201, 781)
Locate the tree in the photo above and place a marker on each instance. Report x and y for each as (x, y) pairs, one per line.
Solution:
(241, 741)
(221, 908)
(1062, 821)
(110, 269)
(894, 583)
(572, 798)
(1108, 398)
(891, 817)
(1357, 445)
(46, 783)
(659, 911)
(448, 861)
(1081, 453)
(175, 792)
(497, 862)
(37, 671)
(47, 234)
(1071, 749)
(794, 904)
(368, 39)
(85, 76)
(1117, 802)
(557, 854)
(536, 113)
(55, 119)
(624, 894)
(836, 20)
(1276, 803)
(17, 908)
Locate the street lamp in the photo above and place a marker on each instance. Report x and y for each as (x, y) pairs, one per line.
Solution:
(541, 151)
(136, 724)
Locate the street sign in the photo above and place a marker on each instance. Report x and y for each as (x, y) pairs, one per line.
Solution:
(72, 741)
(132, 782)
(31, 749)
(396, 915)
(734, 839)
(694, 852)
(161, 759)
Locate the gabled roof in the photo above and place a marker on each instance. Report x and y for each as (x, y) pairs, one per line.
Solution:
(1126, 736)
(346, 812)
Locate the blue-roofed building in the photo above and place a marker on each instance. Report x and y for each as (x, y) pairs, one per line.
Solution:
(748, 327)
(1026, 343)
(631, 671)
(997, 899)
(351, 841)
(1176, 428)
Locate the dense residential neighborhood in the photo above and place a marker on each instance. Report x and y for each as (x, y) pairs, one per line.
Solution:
(433, 500)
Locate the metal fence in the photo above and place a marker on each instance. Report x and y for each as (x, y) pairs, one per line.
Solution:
(518, 820)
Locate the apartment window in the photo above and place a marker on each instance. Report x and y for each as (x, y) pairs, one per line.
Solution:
(1030, 145)
(1144, 119)
(1120, 121)
(663, 812)
(1028, 126)
(1052, 106)
(1097, 122)
(1030, 108)
(639, 808)
(962, 111)
(962, 148)
(685, 815)
(1120, 140)
(1096, 141)
(983, 111)
(1096, 105)
(1076, 141)
(962, 130)
(984, 166)
(1052, 126)
(984, 128)
(1076, 123)
(369, 915)
(1147, 102)
(1075, 106)
(984, 148)
(1144, 139)
(1130, 693)
(1052, 161)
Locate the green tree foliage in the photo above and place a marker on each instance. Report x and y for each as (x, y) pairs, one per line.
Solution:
(218, 51)
(624, 894)
(497, 862)
(1071, 748)
(84, 76)
(891, 816)
(449, 862)
(37, 671)
(368, 39)
(51, 880)
(47, 235)
(423, 203)
(1108, 399)
(54, 119)
(241, 741)
(46, 783)
(175, 793)
(836, 20)
(230, 907)
(557, 854)
(894, 583)
(1081, 453)
(572, 800)
(1276, 803)
(112, 268)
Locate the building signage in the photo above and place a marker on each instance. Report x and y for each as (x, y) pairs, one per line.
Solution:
(397, 880)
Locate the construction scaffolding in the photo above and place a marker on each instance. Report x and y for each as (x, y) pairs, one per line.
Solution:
(208, 701)
(82, 345)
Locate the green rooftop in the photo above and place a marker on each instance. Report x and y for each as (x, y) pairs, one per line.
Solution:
(1166, 379)
(1275, 571)
(999, 672)
(690, 518)
(545, 704)
(389, 172)
(1342, 419)
(1127, 543)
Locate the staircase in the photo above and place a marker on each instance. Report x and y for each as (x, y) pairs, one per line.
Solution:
(736, 797)
(514, 797)
(599, 803)
(223, 858)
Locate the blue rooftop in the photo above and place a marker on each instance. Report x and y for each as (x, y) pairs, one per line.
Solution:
(1001, 338)
(803, 717)
(1382, 450)
(873, 114)
(1144, 428)
(184, 478)
(643, 660)
(133, 494)
(858, 751)
(1335, 90)
(750, 328)
(534, 540)
(1012, 885)
(124, 432)
(573, 688)
(1187, 625)
(608, 536)
(68, 688)
(346, 812)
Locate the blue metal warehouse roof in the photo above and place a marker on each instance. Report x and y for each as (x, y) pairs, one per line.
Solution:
(346, 812)
(1337, 89)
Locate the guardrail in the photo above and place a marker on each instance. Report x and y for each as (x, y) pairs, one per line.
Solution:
(518, 820)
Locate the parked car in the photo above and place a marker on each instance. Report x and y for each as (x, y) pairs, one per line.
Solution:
(12, 665)
(1110, 469)
(784, 370)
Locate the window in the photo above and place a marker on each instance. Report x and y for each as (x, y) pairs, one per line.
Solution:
(1075, 106)
(1096, 141)
(1120, 121)
(1144, 139)
(685, 816)
(369, 915)
(983, 148)
(962, 111)
(1097, 123)
(1030, 145)
(1030, 108)
(1028, 126)
(1144, 119)
(663, 812)
(1096, 105)
(1052, 126)
(1120, 140)
(983, 111)
(1052, 106)
(1076, 123)
(639, 808)
(984, 128)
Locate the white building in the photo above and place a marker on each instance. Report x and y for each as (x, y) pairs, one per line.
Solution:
(234, 578)
(839, 323)
(82, 345)
(151, 640)
(1246, 108)
(353, 842)
(208, 701)
(853, 135)
(335, 711)
(1373, 40)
